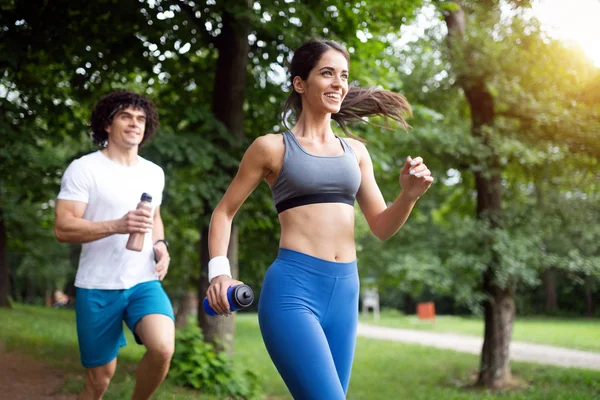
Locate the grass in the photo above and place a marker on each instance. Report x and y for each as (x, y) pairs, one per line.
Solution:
(49, 335)
(582, 334)
(382, 370)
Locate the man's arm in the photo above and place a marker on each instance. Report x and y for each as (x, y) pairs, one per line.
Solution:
(160, 249)
(158, 230)
(71, 227)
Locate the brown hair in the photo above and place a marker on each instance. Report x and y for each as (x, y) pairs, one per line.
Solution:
(358, 103)
(109, 105)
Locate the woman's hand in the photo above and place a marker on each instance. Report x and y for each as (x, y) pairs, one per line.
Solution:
(415, 177)
(217, 293)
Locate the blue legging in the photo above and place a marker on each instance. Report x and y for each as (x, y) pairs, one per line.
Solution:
(308, 313)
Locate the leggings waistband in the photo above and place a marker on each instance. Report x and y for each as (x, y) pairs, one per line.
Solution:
(317, 265)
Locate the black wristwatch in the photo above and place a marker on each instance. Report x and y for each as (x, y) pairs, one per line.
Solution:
(162, 240)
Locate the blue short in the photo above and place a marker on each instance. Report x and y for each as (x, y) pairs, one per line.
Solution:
(100, 314)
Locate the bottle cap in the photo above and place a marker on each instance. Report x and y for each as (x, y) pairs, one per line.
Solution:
(243, 295)
(146, 197)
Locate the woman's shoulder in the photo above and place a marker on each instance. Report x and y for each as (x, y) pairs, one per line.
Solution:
(359, 147)
(266, 148)
(269, 142)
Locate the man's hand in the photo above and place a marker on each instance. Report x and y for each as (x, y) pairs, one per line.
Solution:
(136, 221)
(162, 260)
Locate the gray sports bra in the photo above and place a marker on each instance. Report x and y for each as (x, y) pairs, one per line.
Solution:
(308, 179)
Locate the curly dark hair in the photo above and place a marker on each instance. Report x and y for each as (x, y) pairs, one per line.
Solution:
(109, 105)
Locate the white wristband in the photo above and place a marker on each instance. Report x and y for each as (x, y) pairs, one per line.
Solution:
(218, 266)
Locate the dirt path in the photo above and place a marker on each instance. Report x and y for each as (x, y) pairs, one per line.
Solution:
(23, 378)
(537, 353)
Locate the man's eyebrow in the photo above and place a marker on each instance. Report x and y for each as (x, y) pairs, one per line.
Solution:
(130, 114)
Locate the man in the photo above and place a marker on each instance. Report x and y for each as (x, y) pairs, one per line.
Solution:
(96, 206)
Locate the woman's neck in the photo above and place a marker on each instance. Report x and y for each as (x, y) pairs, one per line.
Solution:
(315, 127)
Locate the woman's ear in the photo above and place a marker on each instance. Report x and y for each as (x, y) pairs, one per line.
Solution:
(299, 85)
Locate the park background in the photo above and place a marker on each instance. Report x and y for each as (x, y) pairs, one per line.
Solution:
(506, 114)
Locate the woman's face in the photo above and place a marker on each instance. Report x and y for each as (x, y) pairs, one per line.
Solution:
(326, 85)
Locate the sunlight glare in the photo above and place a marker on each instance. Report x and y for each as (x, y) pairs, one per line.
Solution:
(572, 22)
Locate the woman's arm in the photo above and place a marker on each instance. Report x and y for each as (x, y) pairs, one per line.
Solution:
(253, 168)
(384, 221)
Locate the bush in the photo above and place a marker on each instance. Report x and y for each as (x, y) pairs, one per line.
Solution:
(199, 365)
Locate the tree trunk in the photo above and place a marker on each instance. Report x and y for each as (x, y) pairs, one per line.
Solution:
(230, 73)
(228, 102)
(30, 292)
(14, 290)
(4, 268)
(409, 305)
(217, 330)
(590, 303)
(499, 306)
(549, 277)
(188, 305)
(74, 254)
(499, 313)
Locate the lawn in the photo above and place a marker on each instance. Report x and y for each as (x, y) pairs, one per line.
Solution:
(581, 333)
(382, 370)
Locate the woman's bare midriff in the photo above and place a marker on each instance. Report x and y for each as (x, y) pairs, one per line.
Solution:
(324, 230)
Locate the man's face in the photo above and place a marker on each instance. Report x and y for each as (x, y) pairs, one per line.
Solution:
(127, 128)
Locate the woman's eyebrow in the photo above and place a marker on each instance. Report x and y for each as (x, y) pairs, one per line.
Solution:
(331, 68)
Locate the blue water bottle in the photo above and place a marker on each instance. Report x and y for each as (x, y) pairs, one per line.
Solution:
(240, 296)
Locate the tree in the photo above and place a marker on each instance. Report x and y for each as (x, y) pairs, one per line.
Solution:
(479, 234)
(468, 53)
(227, 105)
(499, 308)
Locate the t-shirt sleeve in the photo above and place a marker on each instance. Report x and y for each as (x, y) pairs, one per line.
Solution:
(75, 183)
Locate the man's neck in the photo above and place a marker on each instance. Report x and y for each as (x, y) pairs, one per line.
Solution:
(126, 157)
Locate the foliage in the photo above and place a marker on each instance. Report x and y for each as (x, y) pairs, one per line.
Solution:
(58, 60)
(198, 365)
(165, 49)
(545, 138)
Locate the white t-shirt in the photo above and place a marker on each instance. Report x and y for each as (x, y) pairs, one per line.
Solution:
(110, 190)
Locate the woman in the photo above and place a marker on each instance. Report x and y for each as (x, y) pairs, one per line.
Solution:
(309, 300)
